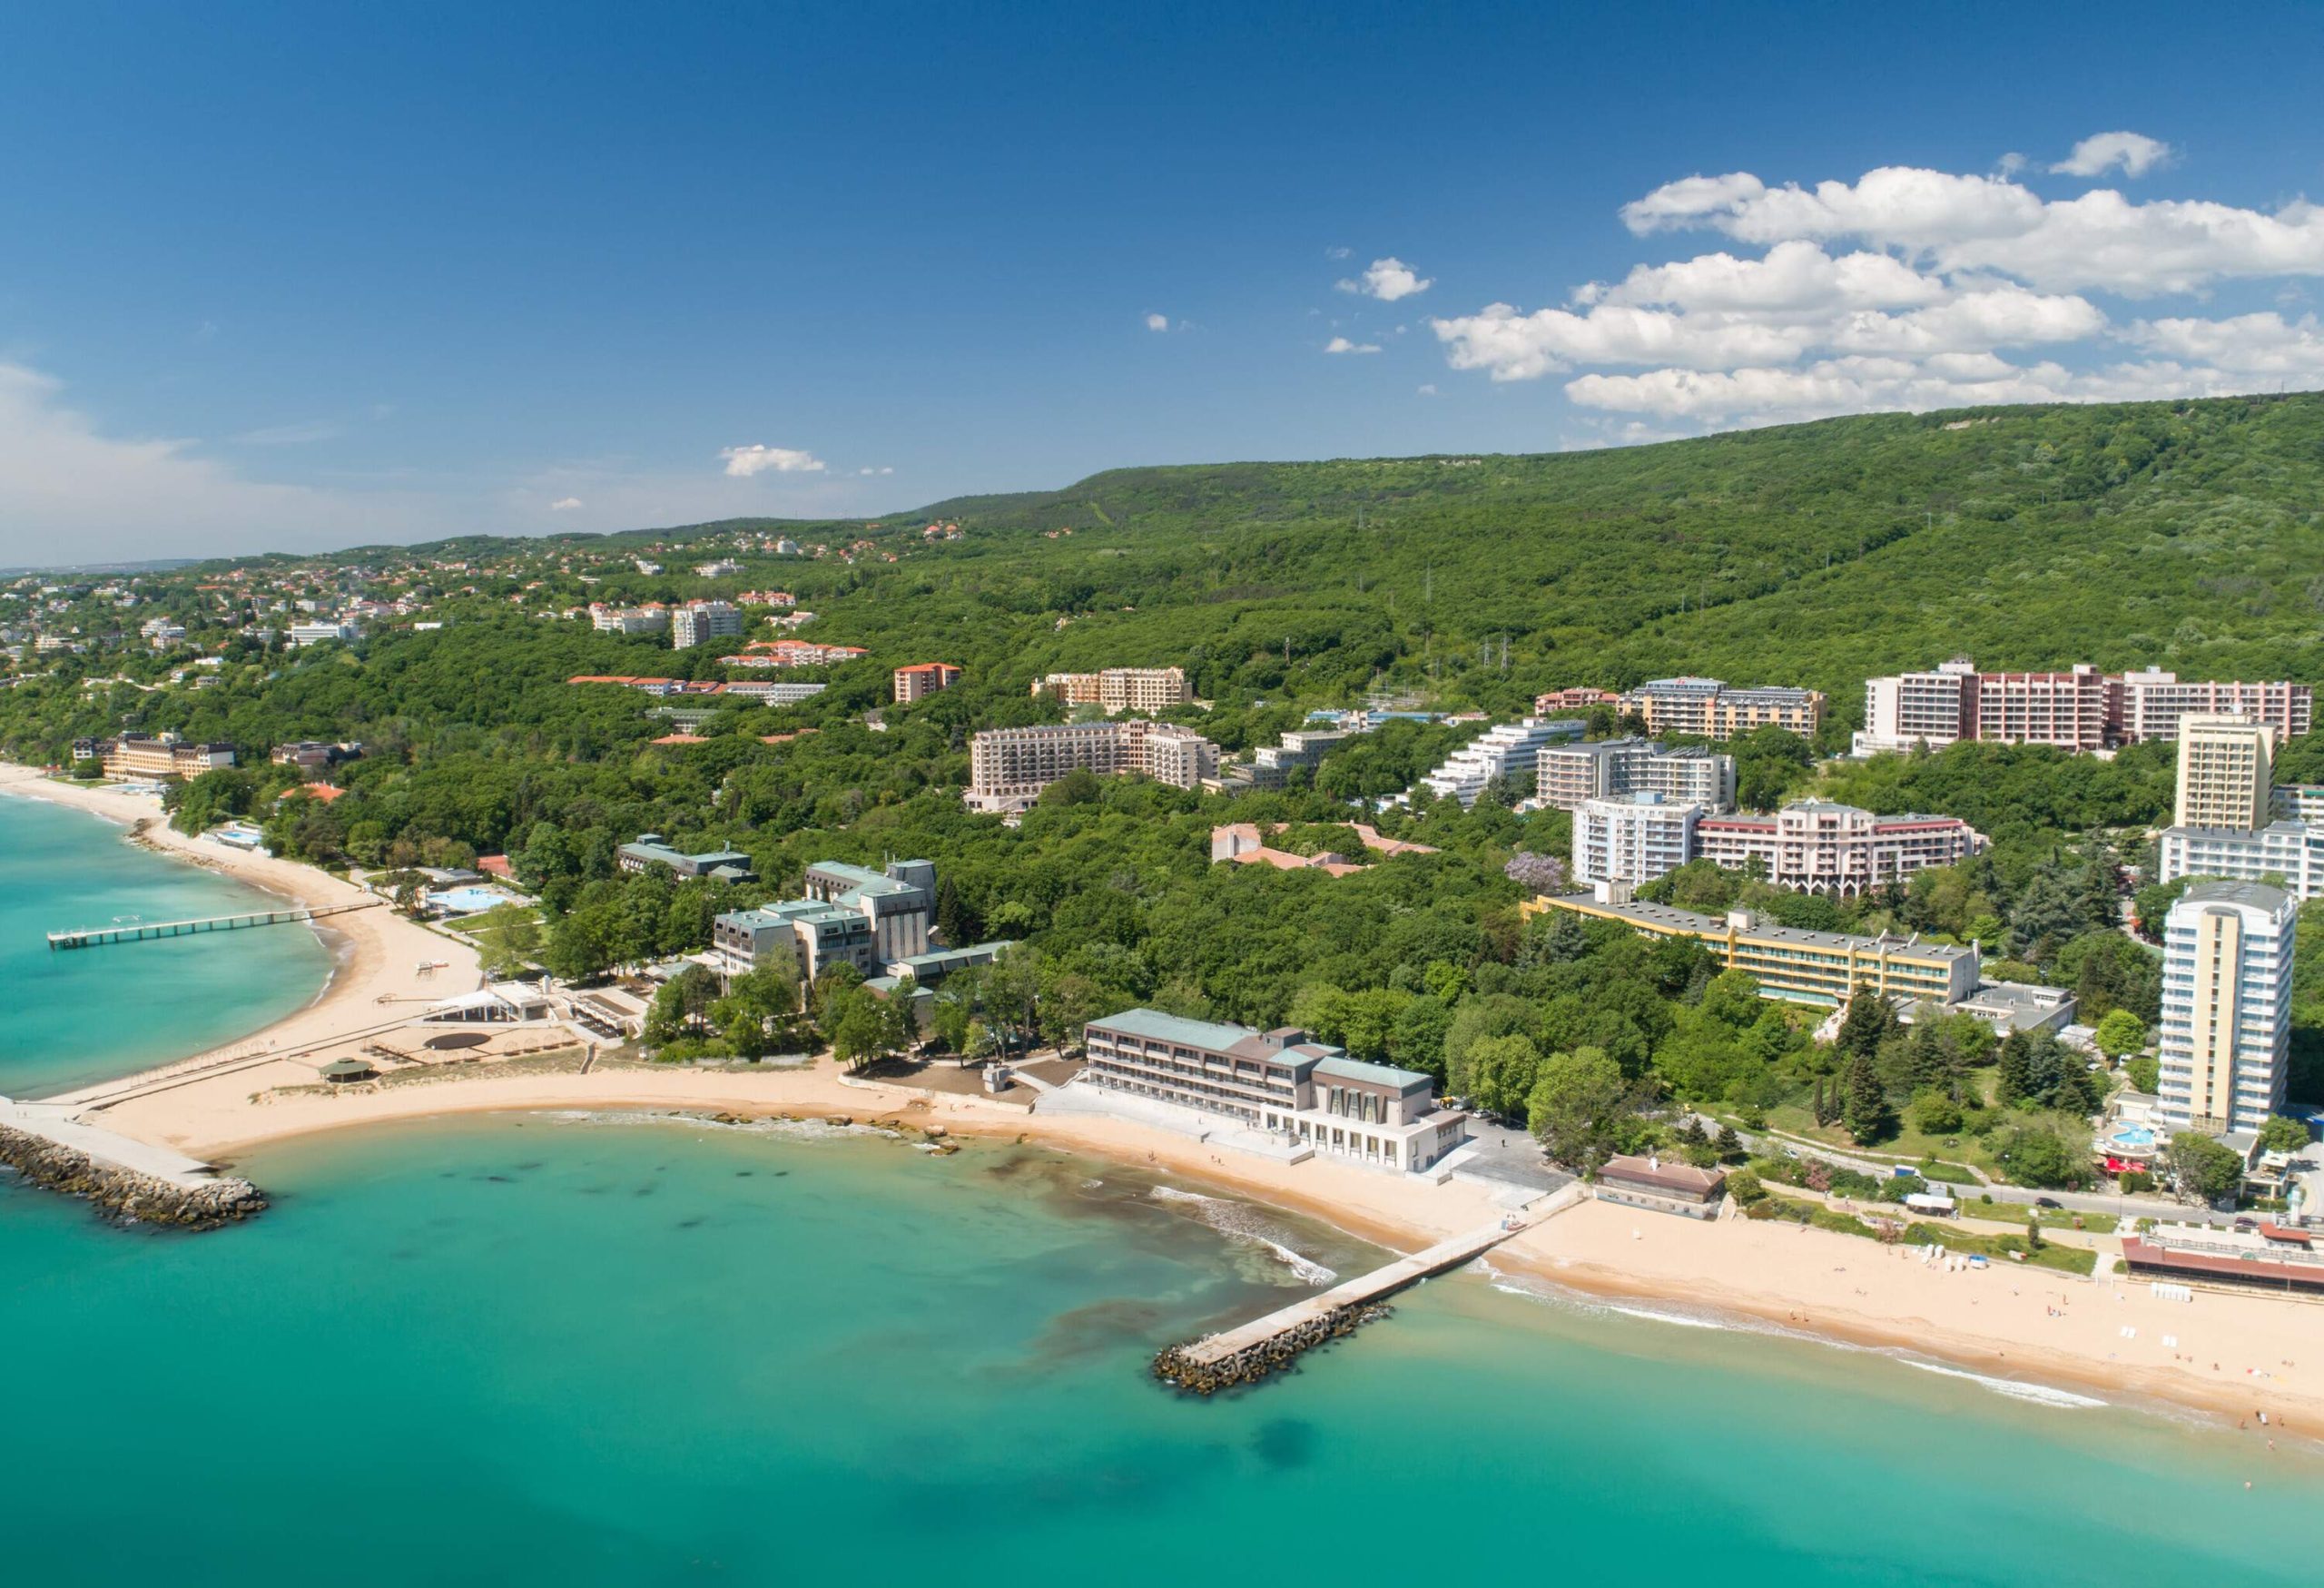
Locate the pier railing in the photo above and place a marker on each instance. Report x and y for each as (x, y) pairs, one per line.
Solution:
(90, 937)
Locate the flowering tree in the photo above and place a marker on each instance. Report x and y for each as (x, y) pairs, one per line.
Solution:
(1536, 874)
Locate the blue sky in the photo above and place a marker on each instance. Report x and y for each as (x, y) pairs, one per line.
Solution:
(291, 276)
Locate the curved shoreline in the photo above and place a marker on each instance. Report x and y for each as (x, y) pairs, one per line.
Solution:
(1804, 1282)
(365, 947)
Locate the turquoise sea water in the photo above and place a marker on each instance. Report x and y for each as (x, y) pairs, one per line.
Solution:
(82, 1016)
(577, 1351)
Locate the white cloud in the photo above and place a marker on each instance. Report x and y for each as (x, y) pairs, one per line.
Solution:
(1912, 289)
(1157, 322)
(69, 492)
(1953, 224)
(1429, 389)
(745, 461)
(2247, 344)
(2096, 155)
(1388, 279)
(1340, 344)
(565, 505)
(1338, 252)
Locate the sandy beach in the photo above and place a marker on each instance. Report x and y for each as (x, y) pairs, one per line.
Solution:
(376, 955)
(2230, 1355)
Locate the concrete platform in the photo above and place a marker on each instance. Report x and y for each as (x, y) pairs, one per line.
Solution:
(58, 1125)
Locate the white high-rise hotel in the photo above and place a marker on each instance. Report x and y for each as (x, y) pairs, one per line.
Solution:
(2227, 959)
(2081, 709)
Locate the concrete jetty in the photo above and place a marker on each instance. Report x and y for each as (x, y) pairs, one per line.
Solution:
(1251, 1351)
(128, 1179)
(89, 937)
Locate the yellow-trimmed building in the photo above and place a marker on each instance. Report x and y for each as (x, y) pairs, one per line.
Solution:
(1803, 967)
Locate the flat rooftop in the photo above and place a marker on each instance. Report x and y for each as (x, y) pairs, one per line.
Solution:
(1667, 917)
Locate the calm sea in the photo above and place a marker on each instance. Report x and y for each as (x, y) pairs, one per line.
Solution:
(579, 1350)
(72, 1018)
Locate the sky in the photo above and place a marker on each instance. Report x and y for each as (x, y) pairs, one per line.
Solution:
(291, 277)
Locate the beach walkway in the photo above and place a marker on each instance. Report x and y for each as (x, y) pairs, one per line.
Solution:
(90, 937)
(57, 1126)
(1380, 1284)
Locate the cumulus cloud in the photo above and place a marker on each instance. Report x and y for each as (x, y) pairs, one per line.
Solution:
(743, 462)
(1340, 344)
(565, 505)
(1157, 322)
(1388, 279)
(1915, 288)
(2096, 155)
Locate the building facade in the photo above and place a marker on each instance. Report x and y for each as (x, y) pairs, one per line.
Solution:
(1632, 840)
(141, 756)
(726, 865)
(651, 618)
(1706, 708)
(2080, 709)
(1565, 775)
(1499, 752)
(1009, 767)
(849, 914)
(1821, 968)
(1572, 698)
(923, 679)
(2227, 965)
(1280, 1081)
(1113, 689)
(2288, 854)
(699, 622)
(1817, 846)
(2226, 767)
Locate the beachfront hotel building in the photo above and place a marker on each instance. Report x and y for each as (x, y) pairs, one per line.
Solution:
(923, 679)
(139, 755)
(2080, 709)
(1009, 767)
(1281, 1081)
(1818, 846)
(1565, 775)
(1632, 840)
(1113, 689)
(699, 622)
(1649, 1182)
(1706, 708)
(876, 921)
(1499, 752)
(2226, 766)
(2288, 855)
(2227, 964)
(1821, 968)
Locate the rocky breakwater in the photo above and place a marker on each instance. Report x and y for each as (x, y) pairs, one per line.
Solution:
(128, 1195)
(1189, 1374)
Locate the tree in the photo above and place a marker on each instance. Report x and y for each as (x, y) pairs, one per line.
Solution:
(2280, 1134)
(2120, 1033)
(2016, 1075)
(2208, 1172)
(1495, 1015)
(2036, 1157)
(1935, 1114)
(1867, 1024)
(680, 1005)
(1578, 1101)
(508, 936)
(2145, 1072)
(1536, 874)
(1501, 1072)
(1865, 1110)
(869, 1028)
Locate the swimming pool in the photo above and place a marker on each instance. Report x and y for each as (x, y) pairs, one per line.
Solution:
(2131, 1136)
(467, 901)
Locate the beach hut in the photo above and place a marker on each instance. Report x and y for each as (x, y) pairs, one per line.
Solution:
(339, 1072)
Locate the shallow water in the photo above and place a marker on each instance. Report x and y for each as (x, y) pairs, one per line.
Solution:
(575, 1350)
(86, 1014)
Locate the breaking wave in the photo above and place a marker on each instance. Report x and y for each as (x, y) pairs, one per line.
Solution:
(1241, 1222)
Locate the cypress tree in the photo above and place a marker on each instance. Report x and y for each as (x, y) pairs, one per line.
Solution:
(1865, 1108)
(2016, 1069)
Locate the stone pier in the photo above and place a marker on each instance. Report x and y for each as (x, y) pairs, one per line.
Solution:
(125, 1179)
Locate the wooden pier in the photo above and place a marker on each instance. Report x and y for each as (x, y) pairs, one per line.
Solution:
(90, 937)
(1246, 1354)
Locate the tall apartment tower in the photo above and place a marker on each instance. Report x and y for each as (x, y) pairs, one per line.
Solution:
(2226, 955)
(2225, 770)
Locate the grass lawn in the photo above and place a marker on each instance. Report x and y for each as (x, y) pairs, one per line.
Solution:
(2001, 1249)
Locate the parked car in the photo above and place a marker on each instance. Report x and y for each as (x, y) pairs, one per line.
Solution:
(2047, 1202)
